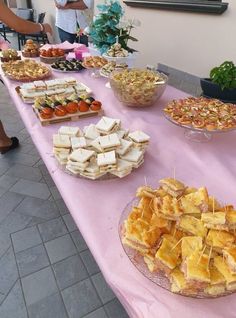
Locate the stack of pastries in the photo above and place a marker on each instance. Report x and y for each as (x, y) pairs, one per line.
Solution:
(185, 234)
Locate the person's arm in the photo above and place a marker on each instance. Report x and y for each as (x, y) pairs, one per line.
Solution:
(20, 25)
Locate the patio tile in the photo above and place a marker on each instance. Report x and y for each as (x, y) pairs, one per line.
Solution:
(8, 271)
(7, 181)
(62, 207)
(14, 305)
(19, 157)
(38, 208)
(103, 290)
(52, 229)
(38, 286)
(70, 223)
(25, 172)
(55, 193)
(9, 202)
(80, 299)
(4, 166)
(25, 239)
(2, 190)
(32, 260)
(114, 309)
(69, 271)
(99, 313)
(31, 188)
(79, 240)
(48, 179)
(60, 248)
(14, 222)
(49, 307)
(89, 262)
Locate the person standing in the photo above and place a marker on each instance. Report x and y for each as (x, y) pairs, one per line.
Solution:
(71, 16)
(22, 26)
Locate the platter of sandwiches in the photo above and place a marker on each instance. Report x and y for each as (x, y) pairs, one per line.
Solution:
(101, 151)
(202, 114)
(182, 239)
(26, 70)
(66, 86)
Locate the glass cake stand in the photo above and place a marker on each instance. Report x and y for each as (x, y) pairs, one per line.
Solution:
(137, 260)
(197, 134)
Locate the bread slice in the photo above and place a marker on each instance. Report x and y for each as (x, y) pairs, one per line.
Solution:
(189, 244)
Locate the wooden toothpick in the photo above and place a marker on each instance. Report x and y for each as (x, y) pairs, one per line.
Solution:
(213, 205)
(176, 244)
(174, 173)
(201, 254)
(145, 181)
(209, 257)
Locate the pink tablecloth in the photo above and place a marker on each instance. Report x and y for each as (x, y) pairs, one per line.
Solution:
(96, 206)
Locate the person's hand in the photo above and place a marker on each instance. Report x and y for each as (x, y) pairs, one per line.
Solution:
(47, 28)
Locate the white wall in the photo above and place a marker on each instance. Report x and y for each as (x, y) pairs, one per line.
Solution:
(191, 42)
(187, 41)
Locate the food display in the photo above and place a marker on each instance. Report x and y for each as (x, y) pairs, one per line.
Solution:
(138, 87)
(30, 49)
(26, 70)
(66, 107)
(99, 150)
(182, 238)
(52, 55)
(94, 62)
(72, 65)
(117, 51)
(66, 86)
(106, 70)
(9, 55)
(202, 113)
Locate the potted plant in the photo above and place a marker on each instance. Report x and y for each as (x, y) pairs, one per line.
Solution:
(222, 82)
(108, 28)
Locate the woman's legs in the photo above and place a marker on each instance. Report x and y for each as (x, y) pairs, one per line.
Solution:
(5, 141)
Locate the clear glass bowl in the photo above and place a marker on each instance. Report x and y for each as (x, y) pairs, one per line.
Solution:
(138, 87)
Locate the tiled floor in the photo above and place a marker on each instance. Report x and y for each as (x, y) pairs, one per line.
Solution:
(46, 269)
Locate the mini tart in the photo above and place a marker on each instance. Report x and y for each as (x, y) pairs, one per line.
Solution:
(83, 106)
(46, 113)
(96, 105)
(72, 107)
(60, 111)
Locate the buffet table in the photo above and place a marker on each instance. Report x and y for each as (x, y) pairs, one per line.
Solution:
(96, 206)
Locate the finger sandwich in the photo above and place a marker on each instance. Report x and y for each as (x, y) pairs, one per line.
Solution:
(172, 186)
(123, 168)
(107, 161)
(224, 269)
(107, 125)
(139, 139)
(91, 132)
(109, 142)
(134, 156)
(70, 131)
(78, 142)
(61, 147)
(124, 147)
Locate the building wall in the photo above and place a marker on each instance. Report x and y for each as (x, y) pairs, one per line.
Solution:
(190, 42)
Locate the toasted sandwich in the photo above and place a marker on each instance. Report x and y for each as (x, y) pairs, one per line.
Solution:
(189, 244)
(219, 240)
(192, 225)
(223, 268)
(172, 186)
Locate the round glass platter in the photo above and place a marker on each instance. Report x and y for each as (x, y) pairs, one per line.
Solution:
(197, 134)
(156, 277)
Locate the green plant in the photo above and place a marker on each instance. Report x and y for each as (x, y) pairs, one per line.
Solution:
(224, 75)
(107, 27)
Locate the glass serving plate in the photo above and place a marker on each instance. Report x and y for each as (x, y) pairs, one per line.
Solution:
(197, 134)
(158, 278)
